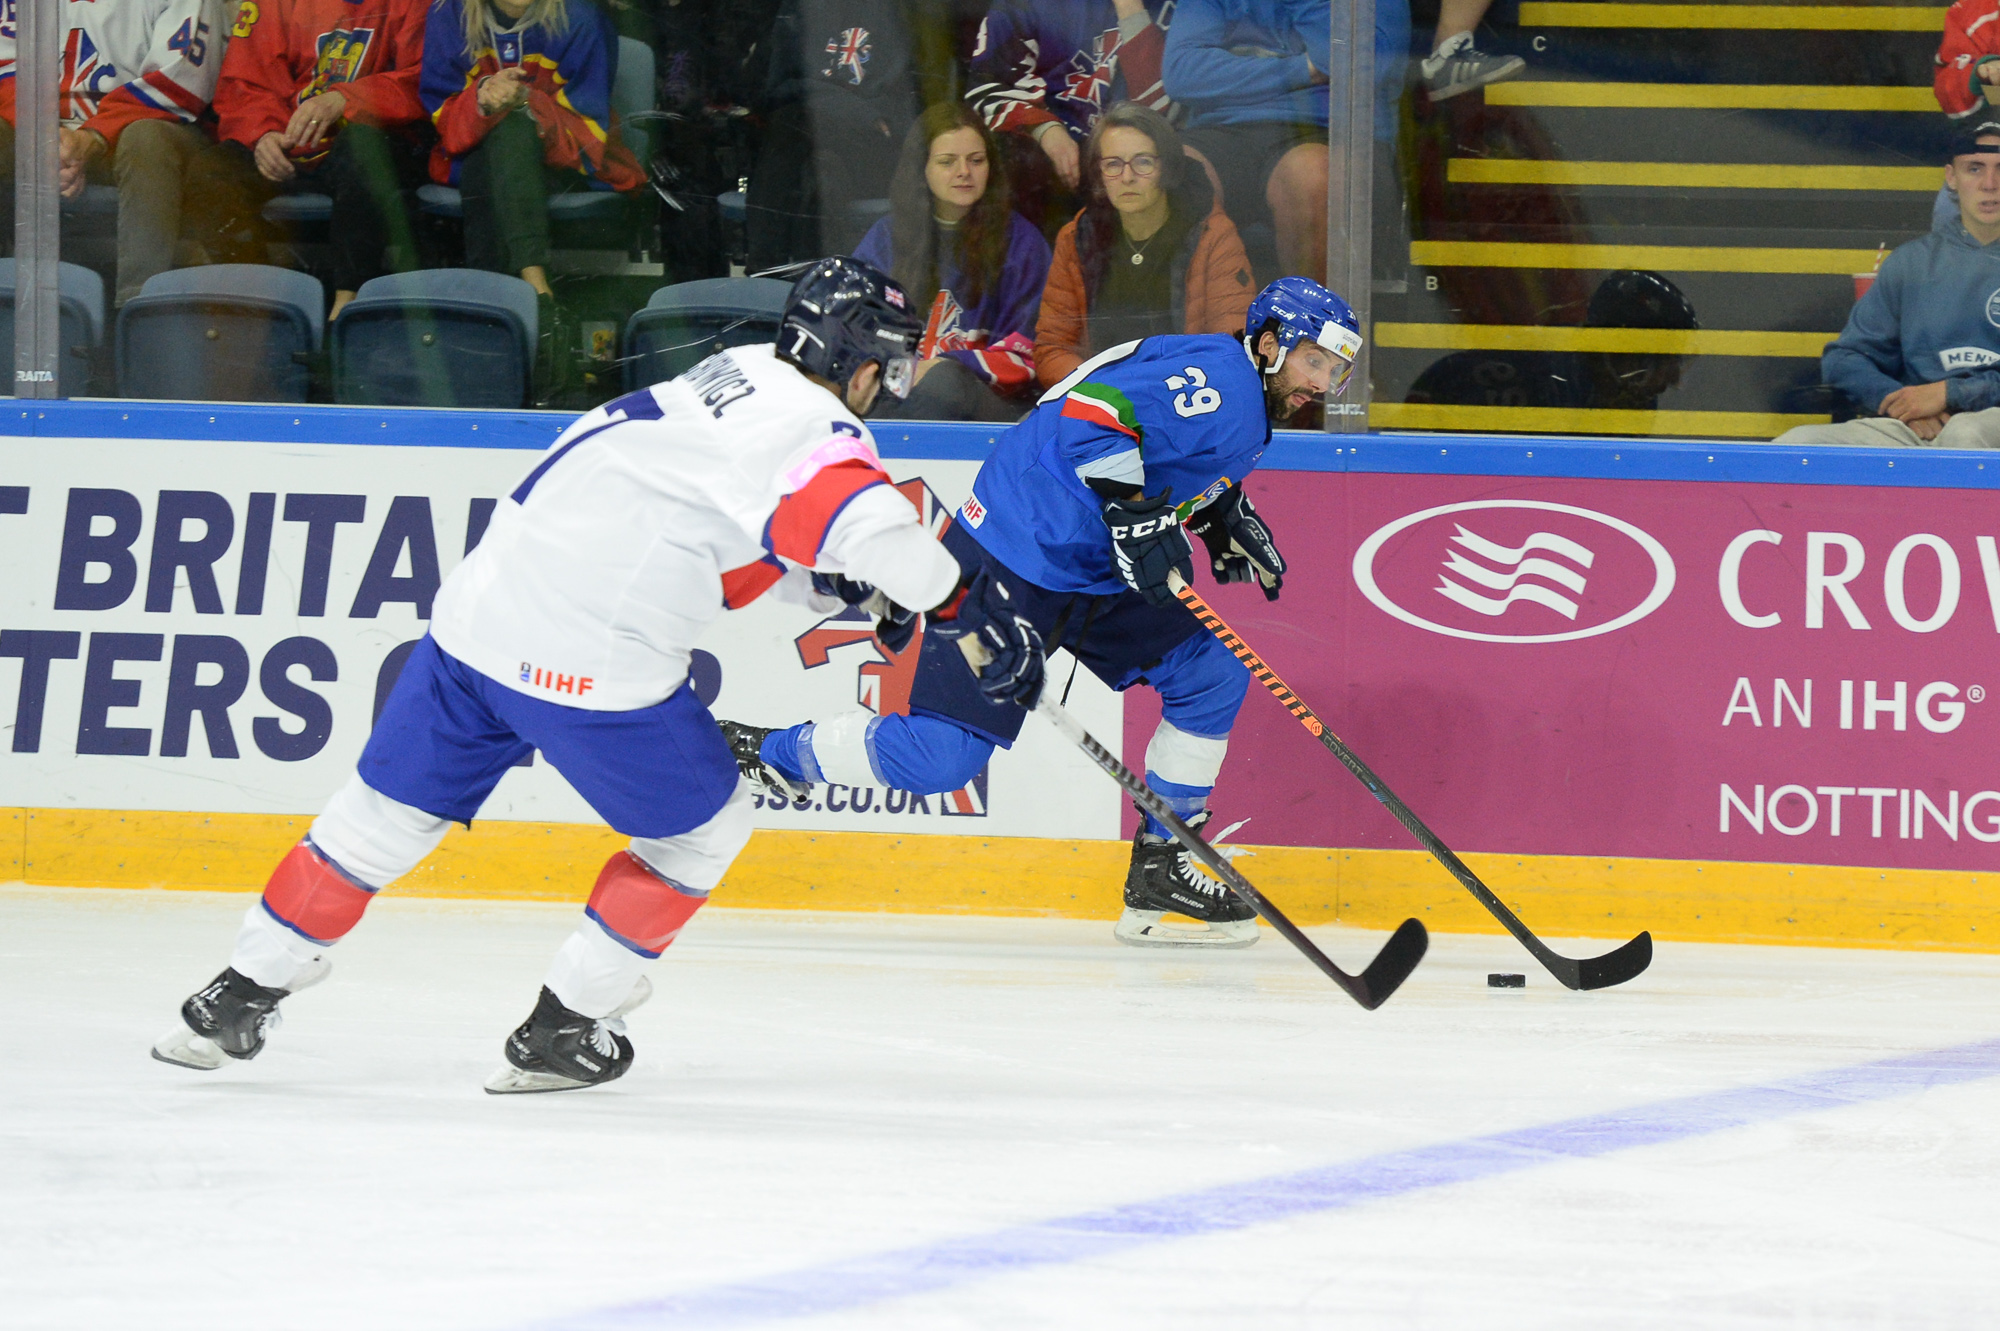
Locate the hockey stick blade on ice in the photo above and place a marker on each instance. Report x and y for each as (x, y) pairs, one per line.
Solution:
(1614, 967)
(1371, 989)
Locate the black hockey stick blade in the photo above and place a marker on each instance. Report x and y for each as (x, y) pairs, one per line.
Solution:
(1371, 989)
(1614, 967)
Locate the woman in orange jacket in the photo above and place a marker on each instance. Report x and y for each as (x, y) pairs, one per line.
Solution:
(1152, 251)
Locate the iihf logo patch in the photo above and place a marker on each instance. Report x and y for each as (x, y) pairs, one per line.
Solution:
(973, 512)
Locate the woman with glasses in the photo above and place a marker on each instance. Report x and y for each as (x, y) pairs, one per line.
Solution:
(970, 264)
(1152, 251)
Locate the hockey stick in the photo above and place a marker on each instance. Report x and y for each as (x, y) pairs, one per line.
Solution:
(1614, 967)
(1392, 965)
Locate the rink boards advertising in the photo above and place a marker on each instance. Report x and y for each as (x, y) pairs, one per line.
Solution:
(1648, 681)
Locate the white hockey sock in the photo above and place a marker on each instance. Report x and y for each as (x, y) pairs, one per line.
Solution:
(593, 972)
(837, 750)
(269, 953)
(372, 837)
(1185, 759)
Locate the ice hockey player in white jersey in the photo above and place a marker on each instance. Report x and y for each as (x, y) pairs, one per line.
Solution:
(569, 630)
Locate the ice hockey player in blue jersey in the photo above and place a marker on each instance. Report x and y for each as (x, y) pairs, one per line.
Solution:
(1083, 511)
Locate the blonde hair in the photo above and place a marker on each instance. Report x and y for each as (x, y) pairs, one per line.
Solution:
(482, 16)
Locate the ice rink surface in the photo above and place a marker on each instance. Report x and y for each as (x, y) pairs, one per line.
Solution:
(918, 1122)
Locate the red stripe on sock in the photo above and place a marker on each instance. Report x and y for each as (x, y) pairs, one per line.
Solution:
(640, 906)
(314, 897)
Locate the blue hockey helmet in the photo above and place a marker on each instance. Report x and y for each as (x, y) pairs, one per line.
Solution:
(843, 313)
(1305, 311)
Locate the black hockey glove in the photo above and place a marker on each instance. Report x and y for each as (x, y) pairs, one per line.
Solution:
(1147, 544)
(894, 625)
(1239, 542)
(1008, 644)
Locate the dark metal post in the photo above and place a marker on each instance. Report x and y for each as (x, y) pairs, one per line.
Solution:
(1350, 211)
(37, 207)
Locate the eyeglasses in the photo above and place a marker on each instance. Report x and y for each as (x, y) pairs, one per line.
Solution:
(1142, 166)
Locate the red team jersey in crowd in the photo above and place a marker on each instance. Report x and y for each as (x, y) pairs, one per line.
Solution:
(127, 60)
(282, 52)
(1971, 33)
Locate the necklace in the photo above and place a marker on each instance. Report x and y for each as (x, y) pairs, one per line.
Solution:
(1139, 247)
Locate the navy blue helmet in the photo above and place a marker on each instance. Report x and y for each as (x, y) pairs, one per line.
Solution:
(844, 313)
(1305, 311)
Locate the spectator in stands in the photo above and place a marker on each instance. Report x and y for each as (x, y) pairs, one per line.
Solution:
(1152, 251)
(1252, 76)
(136, 76)
(840, 94)
(1574, 380)
(321, 96)
(957, 248)
(1921, 350)
(520, 92)
(1455, 65)
(1043, 71)
(1967, 81)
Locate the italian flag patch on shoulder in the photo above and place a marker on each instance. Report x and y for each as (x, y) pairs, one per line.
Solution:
(1101, 404)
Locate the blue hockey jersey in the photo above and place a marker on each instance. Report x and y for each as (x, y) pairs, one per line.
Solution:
(1184, 414)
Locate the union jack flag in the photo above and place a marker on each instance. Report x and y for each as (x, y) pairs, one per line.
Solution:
(849, 52)
(1089, 76)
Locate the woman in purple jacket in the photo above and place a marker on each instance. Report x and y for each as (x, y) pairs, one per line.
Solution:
(957, 248)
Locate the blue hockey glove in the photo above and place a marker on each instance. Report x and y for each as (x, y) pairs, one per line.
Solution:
(895, 626)
(1008, 650)
(1147, 544)
(1239, 542)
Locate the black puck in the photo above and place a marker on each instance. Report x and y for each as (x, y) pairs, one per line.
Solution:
(1498, 981)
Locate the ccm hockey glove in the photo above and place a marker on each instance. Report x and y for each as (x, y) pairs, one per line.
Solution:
(1147, 544)
(894, 625)
(1010, 645)
(1239, 542)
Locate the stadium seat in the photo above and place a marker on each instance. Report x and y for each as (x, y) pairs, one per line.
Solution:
(299, 209)
(447, 337)
(683, 324)
(230, 332)
(631, 95)
(79, 321)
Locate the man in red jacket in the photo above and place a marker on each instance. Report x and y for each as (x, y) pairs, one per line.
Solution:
(320, 96)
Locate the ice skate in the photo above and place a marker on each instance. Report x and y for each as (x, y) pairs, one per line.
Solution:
(229, 1018)
(556, 1049)
(1169, 902)
(746, 743)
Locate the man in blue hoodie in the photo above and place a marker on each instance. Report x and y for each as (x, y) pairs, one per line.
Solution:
(1921, 351)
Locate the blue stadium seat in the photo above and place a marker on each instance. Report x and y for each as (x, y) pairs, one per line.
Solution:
(297, 209)
(631, 95)
(96, 201)
(79, 322)
(683, 324)
(228, 332)
(448, 337)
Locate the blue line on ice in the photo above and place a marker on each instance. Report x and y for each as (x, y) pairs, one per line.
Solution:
(855, 1282)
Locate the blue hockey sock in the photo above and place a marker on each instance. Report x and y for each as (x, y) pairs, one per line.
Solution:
(1187, 801)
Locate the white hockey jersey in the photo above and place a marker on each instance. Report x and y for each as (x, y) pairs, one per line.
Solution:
(127, 60)
(653, 513)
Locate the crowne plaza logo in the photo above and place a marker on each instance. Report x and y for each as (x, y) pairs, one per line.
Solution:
(1514, 570)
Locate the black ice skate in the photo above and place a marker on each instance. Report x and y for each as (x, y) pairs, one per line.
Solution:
(1164, 881)
(745, 743)
(556, 1049)
(230, 1016)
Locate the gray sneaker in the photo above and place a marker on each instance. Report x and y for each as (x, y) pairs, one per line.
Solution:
(1459, 66)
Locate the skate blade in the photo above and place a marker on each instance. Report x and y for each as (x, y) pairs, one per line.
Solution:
(183, 1048)
(511, 1080)
(1154, 928)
